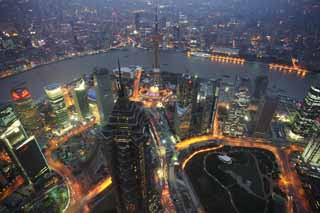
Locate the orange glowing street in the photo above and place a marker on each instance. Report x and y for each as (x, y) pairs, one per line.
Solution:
(78, 198)
(290, 181)
(13, 187)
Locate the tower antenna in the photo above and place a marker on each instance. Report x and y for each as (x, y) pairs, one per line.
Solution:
(121, 89)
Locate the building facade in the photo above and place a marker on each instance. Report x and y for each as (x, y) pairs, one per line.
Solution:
(311, 153)
(56, 99)
(105, 100)
(126, 137)
(266, 110)
(27, 111)
(23, 150)
(80, 95)
(310, 110)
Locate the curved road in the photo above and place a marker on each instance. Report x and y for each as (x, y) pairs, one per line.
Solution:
(79, 199)
(289, 180)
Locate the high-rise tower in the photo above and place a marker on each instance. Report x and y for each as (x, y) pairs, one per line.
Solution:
(156, 38)
(56, 99)
(126, 137)
(309, 112)
(22, 149)
(103, 83)
(267, 108)
(26, 109)
(80, 94)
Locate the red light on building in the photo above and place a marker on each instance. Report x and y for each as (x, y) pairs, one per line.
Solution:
(190, 82)
(20, 94)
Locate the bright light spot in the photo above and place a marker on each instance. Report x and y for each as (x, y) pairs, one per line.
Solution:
(160, 173)
(227, 89)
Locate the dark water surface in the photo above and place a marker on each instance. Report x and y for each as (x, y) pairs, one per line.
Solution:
(62, 72)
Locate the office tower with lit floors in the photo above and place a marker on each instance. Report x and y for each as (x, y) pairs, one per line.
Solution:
(80, 95)
(186, 105)
(57, 102)
(304, 121)
(311, 153)
(207, 106)
(105, 100)
(27, 111)
(126, 137)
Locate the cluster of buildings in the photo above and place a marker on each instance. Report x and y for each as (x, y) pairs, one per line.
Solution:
(195, 107)
(44, 32)
(122, 103)
(22, 160)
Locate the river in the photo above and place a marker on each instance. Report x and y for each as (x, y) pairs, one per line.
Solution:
(62, 72)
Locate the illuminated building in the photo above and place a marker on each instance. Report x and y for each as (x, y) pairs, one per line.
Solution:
(310, 110)
(182, 120)
(80, 94)
(156, 40)
(187, 91)
(204, 114)
(186, 106)
(26, 109)
(23, 150)
(311, 153)
(56, 98)
(267, 108)
(236, 122)
(10, 130)
(126, 136)
(105, 102)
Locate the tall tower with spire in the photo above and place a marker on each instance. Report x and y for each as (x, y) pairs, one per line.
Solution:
(156, 38)
(126, 137)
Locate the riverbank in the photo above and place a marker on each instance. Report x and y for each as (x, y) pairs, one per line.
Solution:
(27, 68)
(64, 71)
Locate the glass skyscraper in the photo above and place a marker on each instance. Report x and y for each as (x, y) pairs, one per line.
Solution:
(105, 102)
(58, 105)
(126, 139)
(80, 94)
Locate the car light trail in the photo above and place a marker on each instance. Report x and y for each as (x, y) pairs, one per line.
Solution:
(185, 162)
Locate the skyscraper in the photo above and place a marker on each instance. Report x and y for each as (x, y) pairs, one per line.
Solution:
(26, 109)
(156, 40)
(105, 102)
(204, 114)
(31, 158)
(126, 138)
(188, 88)
(186, 106)
(80, 94)
(261, 86)
(311, 153)
(308, 113)
(22, 149)
(267, 108)
(58, 105)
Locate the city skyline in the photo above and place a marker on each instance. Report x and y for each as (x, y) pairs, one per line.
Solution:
(159, 106)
